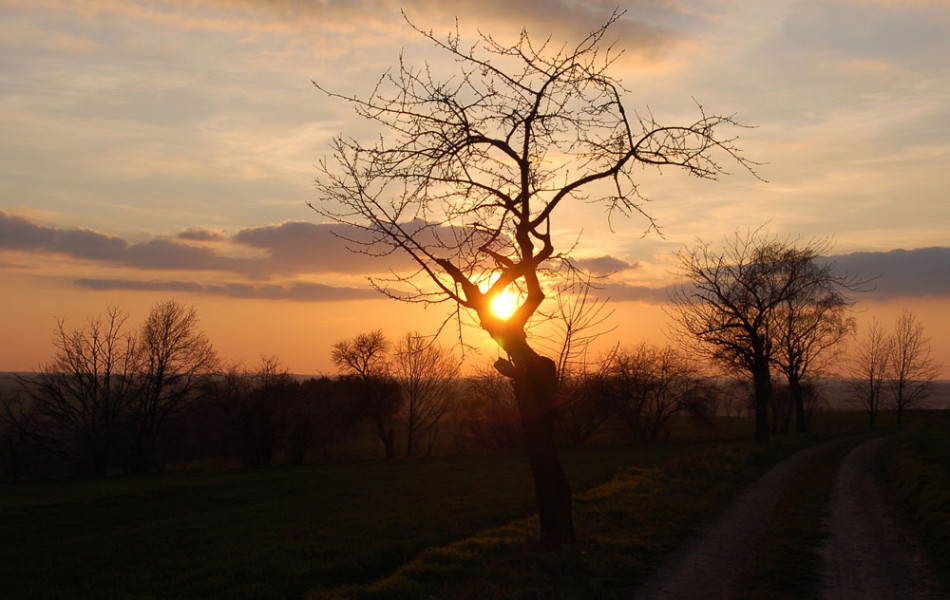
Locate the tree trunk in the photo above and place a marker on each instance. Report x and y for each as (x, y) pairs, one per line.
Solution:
(387, 437)
(798, 395)
(762, 379)
(534, 379)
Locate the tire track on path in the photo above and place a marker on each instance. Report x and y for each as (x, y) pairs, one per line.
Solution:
(868, 554)
(715, 565)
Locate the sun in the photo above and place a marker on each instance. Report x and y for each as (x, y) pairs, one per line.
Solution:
(504, 304)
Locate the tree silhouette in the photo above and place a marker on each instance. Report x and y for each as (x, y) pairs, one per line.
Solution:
(83, 396)
(175, 357)
(911, 369)
(467, 176)
(376, 395)
(869, 368)
(811, 320)
(730, 306)
(427, 375)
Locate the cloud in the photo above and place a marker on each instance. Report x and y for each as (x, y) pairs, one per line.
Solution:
(626, 292)
(298, 291)
(922, 272)
(919, 273)
(302, 247)
(603, 265)
(200, 234)
(288, 249)
(18, 233)
(562, 18)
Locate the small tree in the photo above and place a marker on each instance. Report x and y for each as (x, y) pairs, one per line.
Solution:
(911, 370)
(811, 320)
(487, 415)
(869, 368)
(255, 405)
(376, 395)
(175, 358)
(468, 177)
(645, 386)
(18, 422)
(427, 375)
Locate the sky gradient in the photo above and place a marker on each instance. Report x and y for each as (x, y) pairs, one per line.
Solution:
(166, 149)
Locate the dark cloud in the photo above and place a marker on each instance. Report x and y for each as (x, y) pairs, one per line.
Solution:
(924, 272)
(302, 247)
(298, 247)
(640, 29)
(602, 265)
(200, 234)
(899, 273)
(624, 292)
(299, 291)
(169, 255)
(19, 233)
(290, 248)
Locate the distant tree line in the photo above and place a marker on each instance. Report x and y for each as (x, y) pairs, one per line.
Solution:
(135, 400)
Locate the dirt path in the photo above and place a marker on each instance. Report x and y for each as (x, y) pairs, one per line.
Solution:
(713, 566)
(868, 554)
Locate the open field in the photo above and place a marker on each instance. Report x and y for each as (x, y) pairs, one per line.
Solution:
(379, 529)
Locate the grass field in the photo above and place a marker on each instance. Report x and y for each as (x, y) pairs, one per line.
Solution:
(366, 529)
(916, 465)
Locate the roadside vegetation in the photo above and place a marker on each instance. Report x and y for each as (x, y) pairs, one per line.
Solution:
(370, 528)
(915, 465)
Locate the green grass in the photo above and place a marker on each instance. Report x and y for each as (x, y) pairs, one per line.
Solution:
(263, 534)
(368, 528)
(916, 467)
(625, 528)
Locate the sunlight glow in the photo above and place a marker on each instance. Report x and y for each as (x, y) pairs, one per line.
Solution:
(505, 304)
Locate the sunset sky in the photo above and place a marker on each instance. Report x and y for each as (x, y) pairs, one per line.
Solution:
(166, 149)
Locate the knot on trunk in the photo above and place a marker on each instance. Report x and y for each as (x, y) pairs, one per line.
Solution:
(507, 369)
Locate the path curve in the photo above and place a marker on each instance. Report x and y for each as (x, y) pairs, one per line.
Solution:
(714, 565)
(868, 554)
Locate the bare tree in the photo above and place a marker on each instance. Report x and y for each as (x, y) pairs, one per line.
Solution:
(255, 407)
(365, 358)
(730, 306)
(84, 394)
(468, 176)
(645, 386)
(869, 368)
(488, 414)
(366, 355)
(18, 421)
(911, 370)
(811, 321)
(579, 320)
(428, 375)
(175, 357)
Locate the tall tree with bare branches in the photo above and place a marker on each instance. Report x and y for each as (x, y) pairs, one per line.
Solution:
(428, 375)
(730, 305)
(869, 368)
(812, 319)
(84, 394)
(468, 175)
(911, 369)
(175, 358)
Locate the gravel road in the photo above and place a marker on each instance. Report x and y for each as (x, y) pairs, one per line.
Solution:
(867, 556)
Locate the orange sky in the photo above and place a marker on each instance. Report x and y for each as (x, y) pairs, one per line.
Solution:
(166, 148)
